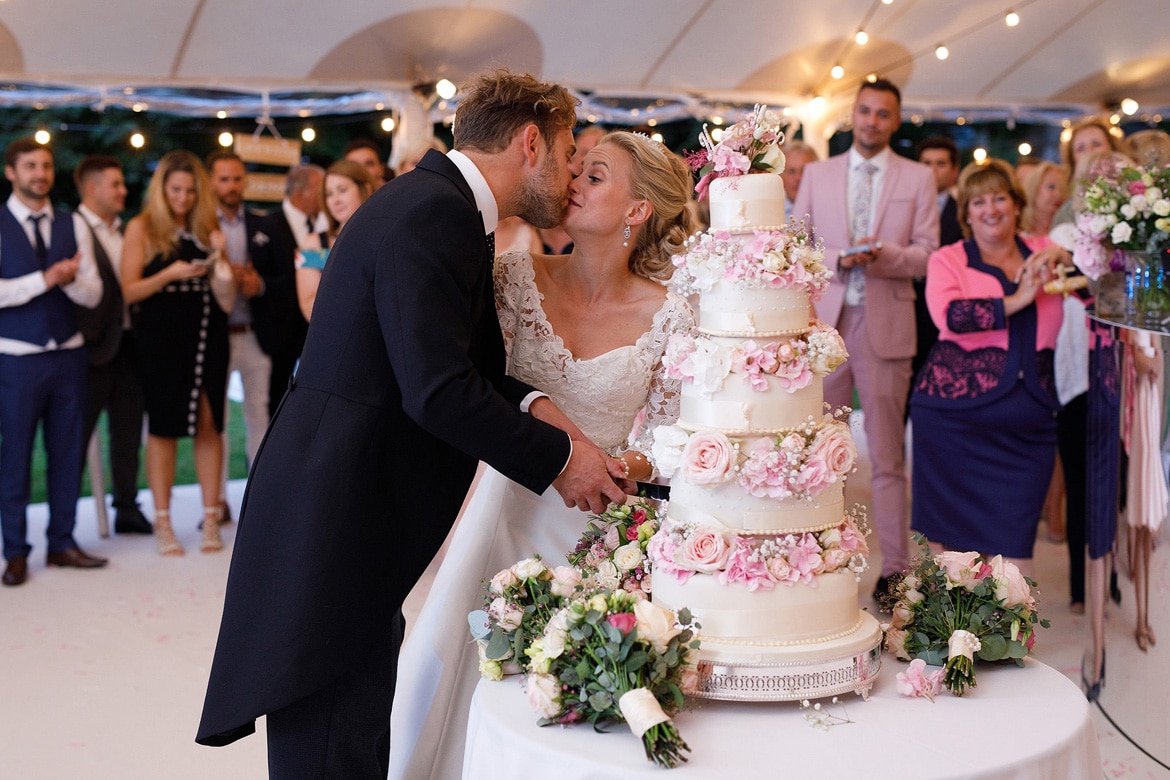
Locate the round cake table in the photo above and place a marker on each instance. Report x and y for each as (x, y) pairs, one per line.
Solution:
(1023, 723)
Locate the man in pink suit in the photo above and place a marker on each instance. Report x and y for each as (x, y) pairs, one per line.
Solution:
(867, 195)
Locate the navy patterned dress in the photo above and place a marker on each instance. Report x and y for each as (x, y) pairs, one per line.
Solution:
(984, 418)
(182, 340)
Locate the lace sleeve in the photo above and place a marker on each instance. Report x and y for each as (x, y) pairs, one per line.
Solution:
(664, 393)
(507, 294)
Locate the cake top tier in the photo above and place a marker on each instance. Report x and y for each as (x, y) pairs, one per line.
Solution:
(749, 146)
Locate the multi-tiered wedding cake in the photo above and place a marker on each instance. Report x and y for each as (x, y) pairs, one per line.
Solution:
(757, 541)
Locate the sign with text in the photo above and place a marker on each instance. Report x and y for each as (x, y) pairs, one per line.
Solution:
(266, 150)
(267, 187)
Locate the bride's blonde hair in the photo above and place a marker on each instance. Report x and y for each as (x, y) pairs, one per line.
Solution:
(662, 179)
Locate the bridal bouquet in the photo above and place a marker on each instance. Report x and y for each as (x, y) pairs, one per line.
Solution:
(520, 601)
(614, 657)
(955, 606)
(750, 146)
(612, 551)
(1124, 207)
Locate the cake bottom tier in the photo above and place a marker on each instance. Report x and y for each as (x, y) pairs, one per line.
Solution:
(757, 672)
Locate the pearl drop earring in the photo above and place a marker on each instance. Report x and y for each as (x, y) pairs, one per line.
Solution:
(626, 235)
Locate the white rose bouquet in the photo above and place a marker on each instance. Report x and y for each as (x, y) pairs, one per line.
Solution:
(613, 657)
(955, 607)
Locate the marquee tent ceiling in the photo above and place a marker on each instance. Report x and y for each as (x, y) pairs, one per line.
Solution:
(629, 60)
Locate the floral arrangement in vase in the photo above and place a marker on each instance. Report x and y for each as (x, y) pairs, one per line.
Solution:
(614, 657)
(954, 607)
(1124, 207)
(749, 146)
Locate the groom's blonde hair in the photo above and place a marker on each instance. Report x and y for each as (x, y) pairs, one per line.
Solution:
(497, 105)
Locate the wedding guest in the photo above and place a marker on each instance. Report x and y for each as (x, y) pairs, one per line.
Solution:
(985, 400)
(366, 153)
(1045, 189)
(590, 329)
(276, 312)
(240, 226)
(168, 260)
(411, 157)
(346, 186)
(46, 266)
(400, 392)
(797, 154)
(1150, 147)
(113, 381)
(891, 200)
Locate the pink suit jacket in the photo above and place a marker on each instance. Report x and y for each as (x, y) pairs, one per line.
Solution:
(905, 221)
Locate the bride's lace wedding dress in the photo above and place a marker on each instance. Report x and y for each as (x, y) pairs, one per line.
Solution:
(502, 522)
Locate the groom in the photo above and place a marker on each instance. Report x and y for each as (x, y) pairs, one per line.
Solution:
(400, 391)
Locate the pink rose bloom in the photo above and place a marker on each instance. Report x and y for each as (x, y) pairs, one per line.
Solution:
(780, 570)
(623, 621)
(706, 550)
(504, 580)
(836, 447)
(896, 643)
(815, 475)
(613, 538)
(960, 568)
(638, 516)
(915, 682)
(1137, 187)
(1010, 585)
(743, 569)
(793, 443)
(707, 459)
(836, 559)
(631, 533)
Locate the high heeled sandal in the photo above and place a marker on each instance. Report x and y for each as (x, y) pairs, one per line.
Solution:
(211, 541)
(1093, 690)
(1143, 642)
(164, 534)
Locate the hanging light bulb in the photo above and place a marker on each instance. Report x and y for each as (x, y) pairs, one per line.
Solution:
(221, 114)
(862, 37)
(137, 140)
(837, 72)
(942, 52)
(657, 137)
(308, 135)
(388, 124)
(717, 134)
(42, 136)
(445, 89)
(980, 155)
(1012, 19)
(1025, 149)
(226, 139)
(1129, 106)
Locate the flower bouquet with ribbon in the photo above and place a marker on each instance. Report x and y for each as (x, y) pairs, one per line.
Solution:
(519, 602)
(612, 551)
(954, 607)
(612, 657)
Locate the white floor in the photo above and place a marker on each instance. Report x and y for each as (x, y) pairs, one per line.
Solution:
(102, 672)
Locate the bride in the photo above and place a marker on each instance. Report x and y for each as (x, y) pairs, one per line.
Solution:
(589, 329)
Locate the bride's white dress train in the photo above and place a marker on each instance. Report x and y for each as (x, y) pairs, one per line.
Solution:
(503, 522)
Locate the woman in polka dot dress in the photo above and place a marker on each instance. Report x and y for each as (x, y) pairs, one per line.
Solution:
(181, 335)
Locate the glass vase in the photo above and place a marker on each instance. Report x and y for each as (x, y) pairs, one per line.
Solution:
(1148, 288)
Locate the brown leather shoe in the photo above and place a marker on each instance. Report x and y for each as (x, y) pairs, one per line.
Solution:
(74, 558)
(17, 570)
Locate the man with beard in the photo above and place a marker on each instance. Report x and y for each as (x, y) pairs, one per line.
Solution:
(860, 199)
(46, 266)
(400, 391)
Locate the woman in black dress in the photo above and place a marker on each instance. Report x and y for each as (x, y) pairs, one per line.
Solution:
(168, 262)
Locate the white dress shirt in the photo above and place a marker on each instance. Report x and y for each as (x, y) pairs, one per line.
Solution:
(84, 290)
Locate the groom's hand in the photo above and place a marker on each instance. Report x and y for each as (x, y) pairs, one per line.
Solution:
(587, 482)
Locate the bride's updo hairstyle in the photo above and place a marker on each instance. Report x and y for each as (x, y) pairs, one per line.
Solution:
(661, 178)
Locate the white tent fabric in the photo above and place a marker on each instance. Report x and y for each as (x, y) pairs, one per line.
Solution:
(630, 61)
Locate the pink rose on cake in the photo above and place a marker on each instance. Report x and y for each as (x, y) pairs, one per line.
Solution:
(835, 447)
(814, 476)
(706, 549)
(746, 567)
(708, 458)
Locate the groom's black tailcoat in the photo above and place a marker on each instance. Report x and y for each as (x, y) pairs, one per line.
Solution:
(400, 391)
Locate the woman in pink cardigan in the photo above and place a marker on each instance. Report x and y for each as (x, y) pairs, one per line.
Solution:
(984, 405)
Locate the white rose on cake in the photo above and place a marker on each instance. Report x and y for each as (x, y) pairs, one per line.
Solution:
(667, 448)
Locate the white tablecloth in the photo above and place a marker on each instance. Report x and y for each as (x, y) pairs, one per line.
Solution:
(1026, 724)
